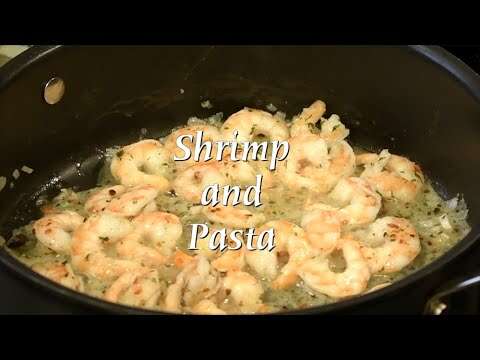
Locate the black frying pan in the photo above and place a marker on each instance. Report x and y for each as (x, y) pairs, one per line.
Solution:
(418, 101)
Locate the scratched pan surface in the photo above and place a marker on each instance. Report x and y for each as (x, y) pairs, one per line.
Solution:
(417, 101)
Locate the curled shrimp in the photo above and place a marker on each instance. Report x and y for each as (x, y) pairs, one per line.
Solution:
(244, 290)
(244, 172)
(191, 182)
(122, 201)
(100, 200)
(60, 273)
(196, 282)
(290, 241)
(317, 275)
(315, 164)
(141, 288)
(230, 260)
(203, 244)
(207, 307)
(222, 261)
(89, 243)
(143, 163)
(331, 129)
(160, 229)
(55, 230)
(163, 229)
(210, 134)
(390, 244)
(182, 259)
(232, 217)
(393, 176)
(132, 247)
(359, 201)
(251, 123)
(323, 225)
(305, 122)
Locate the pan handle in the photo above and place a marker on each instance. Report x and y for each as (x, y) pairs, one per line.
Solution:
(435, 305)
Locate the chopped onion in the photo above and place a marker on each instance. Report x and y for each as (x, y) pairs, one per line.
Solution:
(427, 223)
(217, 117)
(27, 169)
(206, 104)
(271, 107)
(444, 236)
(452, 203)
(16, 174)
(445, 222)
(182, 91)
(280, 115)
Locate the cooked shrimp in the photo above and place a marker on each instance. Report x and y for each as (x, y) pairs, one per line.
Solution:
(137, 288)
(197, 281)
(157, 229)
(55, 230)
(132, 202)
(207, 307)
(232, 217)
(290, 240)
(221, 261)
(60, 273)
(251, 123)
(315, 164)
(191, 182)
(88, 247)
(332, 129)
(203, 243)
(323, 226)
(263, 262)
(204, 248)
(160, 229)
(230, 260)
(305, 122)
(143, 163)
(163, 229)
(317, 275)
(131, 247)
(102, 198)
(393, 176)
(359, 201)
(238, 173)
(124, 202)
(210, 134)
(244, 172)
(258, 167)
(182, 259)
(390, 244)
(244, 290)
